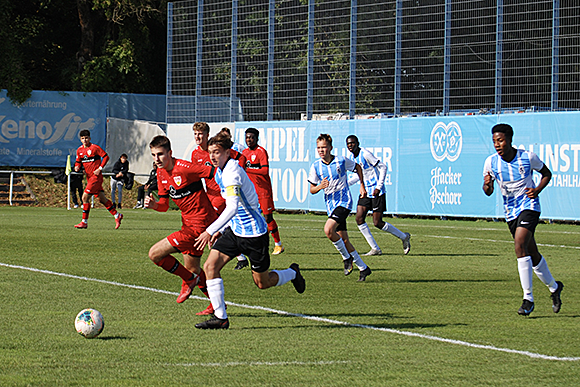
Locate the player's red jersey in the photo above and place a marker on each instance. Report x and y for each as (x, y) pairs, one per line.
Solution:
(183, 185)
(258, 170)
(201, 157)
(91, 158)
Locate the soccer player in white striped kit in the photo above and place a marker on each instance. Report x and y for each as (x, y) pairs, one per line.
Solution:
(329, 174)
(243, 230)
(513, 169)
(374, 172)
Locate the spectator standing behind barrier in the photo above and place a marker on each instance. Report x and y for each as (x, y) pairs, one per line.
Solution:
(120, 170)
(76, 186)
(150, 186)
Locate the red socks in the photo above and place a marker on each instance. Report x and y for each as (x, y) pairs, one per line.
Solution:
(109, 206)
(273, 228)
(172, 265)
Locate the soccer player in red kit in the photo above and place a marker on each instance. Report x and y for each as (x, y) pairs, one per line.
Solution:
(181, 180)
(200, 155)
(258, 171)
(93, 158)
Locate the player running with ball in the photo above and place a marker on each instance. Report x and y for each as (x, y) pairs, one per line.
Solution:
(181, 180)
(244, 230)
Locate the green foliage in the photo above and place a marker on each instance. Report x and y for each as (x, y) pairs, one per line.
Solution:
(459, 282)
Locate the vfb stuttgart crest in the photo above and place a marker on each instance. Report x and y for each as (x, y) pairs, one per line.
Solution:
(446, 141)
(177, 180)
(253, 158)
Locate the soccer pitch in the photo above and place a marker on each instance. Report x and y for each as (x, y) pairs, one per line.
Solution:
(446, 314)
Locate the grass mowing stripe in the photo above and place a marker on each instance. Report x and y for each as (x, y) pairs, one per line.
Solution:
(312, 318)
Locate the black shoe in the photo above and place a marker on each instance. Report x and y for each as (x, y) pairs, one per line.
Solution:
(241, 264)
(298, 282)
(556, 301)
(120, 207)
(364, 274)
(526, 308)
(214, 323)
(348, 265)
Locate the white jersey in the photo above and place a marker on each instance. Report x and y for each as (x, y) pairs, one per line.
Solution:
(513, 178)
(247, 220)
(371, 172)
(337, 193)
(238, 147)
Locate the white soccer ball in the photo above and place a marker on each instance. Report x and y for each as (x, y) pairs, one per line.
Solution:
(89, 323)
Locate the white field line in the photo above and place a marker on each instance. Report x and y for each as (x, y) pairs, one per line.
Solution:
(323, 220)
(500, 241)
(259, 363)
(312, 318)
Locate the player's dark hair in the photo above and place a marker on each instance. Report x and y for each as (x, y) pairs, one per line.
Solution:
(221, 139)
(85, 133)
(226, 131)
(253, 131)
(124, 155)
(160, 142)
(201, 127)
(353, 137)
(325, 137)
(503, 128)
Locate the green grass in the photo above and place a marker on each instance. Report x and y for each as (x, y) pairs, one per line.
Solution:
(459, 282)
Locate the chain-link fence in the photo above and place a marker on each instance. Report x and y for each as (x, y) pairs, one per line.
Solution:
(305, 59)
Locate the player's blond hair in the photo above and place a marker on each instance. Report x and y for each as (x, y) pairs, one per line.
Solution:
(201, 127)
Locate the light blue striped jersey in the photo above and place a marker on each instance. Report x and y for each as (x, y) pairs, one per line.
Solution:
(513, 178)
(337, 193)
(368, 162)
(248, 220)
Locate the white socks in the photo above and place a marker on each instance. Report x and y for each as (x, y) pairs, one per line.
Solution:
(284, 276)
(215, 290)
(364, 229)
(525, 270)
(358, 260)
(393, 230)
(545, 276)
(341, 247)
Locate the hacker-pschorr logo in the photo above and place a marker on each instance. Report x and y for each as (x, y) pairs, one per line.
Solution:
(446, 143)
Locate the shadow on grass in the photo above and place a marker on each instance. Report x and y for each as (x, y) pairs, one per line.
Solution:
(446, 280)
(321, 324)
(107, 338)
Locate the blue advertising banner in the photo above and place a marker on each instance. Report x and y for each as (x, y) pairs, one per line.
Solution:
(44, 130)
(435, 164)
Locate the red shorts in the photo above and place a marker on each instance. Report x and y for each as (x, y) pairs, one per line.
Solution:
(94, 185)
(184, 239)
(266, 204)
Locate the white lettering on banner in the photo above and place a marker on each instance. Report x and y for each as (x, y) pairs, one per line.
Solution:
(290, 138)
(558, 158)
(290, 184)
(565, 181)
(444, 178)
(4, 151)
(67, 129)
(38, 152)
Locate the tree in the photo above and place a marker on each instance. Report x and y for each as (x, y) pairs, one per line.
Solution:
(87, 45)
